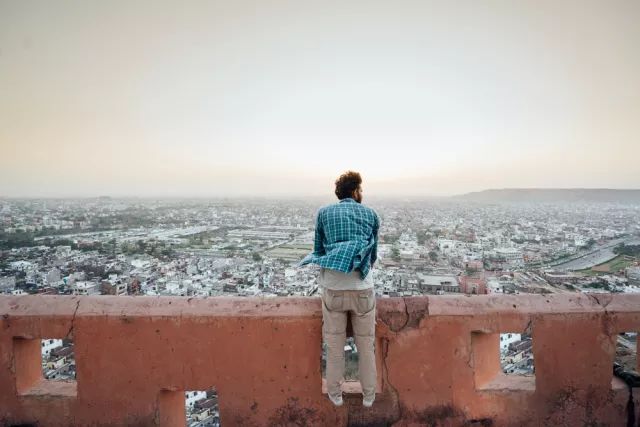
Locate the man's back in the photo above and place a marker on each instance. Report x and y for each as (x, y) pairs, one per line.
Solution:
(346, 237)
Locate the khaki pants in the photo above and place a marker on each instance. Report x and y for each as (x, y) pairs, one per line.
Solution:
(335, 306)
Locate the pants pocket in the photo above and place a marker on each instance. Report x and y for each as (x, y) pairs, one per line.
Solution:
(365, 301)
(334, 302)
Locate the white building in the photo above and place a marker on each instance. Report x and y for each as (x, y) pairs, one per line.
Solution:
(509, 338)
(140, 263)
(21, 265)
(85, 288)
(446, 246)
(511, 256)
(191, 397)
(48, 345)
(438, 283)
(120, 288)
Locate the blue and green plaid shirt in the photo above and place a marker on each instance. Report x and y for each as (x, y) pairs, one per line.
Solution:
(346, 238)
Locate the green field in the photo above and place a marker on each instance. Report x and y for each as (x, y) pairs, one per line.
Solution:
(612, 266)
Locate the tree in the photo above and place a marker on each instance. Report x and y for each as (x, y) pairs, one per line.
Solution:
(433, 256)
(395, 254)
(630, 250)
(141, 246)
(256, 256)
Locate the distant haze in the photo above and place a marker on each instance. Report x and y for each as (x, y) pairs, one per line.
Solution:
(536, 195)
(220, 98)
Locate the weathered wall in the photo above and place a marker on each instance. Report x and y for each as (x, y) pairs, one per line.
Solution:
(438, 361)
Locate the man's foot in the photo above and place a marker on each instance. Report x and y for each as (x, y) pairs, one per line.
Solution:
(367, 402)
(336, 400)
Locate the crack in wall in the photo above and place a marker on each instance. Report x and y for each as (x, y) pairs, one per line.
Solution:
(406, 313)
(395, 396)
(470, 360)
(73, 319)
(418, 315)
(602, 304)
(412, 317)
(606, 319)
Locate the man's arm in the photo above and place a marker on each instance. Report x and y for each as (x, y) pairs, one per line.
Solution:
(374, 250)
(318, 246)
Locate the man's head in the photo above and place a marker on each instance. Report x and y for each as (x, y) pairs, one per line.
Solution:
(349, 185)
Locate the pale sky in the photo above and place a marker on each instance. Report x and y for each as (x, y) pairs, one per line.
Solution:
(220, 98)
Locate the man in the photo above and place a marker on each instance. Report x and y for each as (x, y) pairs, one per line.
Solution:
(345, 247)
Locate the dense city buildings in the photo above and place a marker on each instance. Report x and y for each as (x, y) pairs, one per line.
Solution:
(252, 247)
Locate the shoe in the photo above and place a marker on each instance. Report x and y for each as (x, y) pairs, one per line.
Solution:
(336, 401)
(367, 402)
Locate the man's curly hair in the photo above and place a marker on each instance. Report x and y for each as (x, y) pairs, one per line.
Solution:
(347, 184)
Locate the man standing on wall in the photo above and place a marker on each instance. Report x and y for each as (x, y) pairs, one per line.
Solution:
(345, 248)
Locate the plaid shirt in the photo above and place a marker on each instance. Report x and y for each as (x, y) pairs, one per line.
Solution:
(346, 238)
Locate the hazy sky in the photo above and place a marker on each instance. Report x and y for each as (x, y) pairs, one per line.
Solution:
(278, 98)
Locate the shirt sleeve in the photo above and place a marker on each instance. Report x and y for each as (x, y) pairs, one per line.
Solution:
(374, 249)
(318, 246)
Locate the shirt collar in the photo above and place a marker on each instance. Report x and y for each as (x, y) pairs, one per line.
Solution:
(348, 199)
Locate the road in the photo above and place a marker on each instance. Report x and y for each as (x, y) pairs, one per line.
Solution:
(599, 256)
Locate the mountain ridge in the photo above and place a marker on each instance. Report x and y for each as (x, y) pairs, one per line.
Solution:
(553, 195)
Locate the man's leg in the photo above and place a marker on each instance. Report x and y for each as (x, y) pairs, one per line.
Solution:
(364, 330)
(334, 325)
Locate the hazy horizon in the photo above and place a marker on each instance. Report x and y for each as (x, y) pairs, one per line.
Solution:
(216, 99)
(328, 195)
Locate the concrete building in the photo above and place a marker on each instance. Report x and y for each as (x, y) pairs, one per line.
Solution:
(191, 397)
(508, 338)
(48, 345)
(438, 284)
(633, 275)
(511, 257)
(85, 288)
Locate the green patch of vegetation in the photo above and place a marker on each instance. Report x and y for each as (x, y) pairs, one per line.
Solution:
(613, 266)
(390, 238)
(629, 250)
(19, 239)
(599, 284)
(395, 254)
(155, 248)
(204, 239)
(620, 263)
(422, 238)
(590, 272)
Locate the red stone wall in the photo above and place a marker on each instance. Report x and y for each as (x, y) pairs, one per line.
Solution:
(439, 366)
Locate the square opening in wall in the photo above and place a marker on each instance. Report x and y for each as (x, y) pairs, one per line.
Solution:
(503, 361)
(44, 367)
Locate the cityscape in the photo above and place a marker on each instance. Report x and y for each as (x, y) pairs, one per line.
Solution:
(251, 247)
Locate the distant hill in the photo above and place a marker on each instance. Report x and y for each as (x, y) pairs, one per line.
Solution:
(552, 195)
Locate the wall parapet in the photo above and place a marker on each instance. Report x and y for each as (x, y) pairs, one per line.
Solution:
(438, 357)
